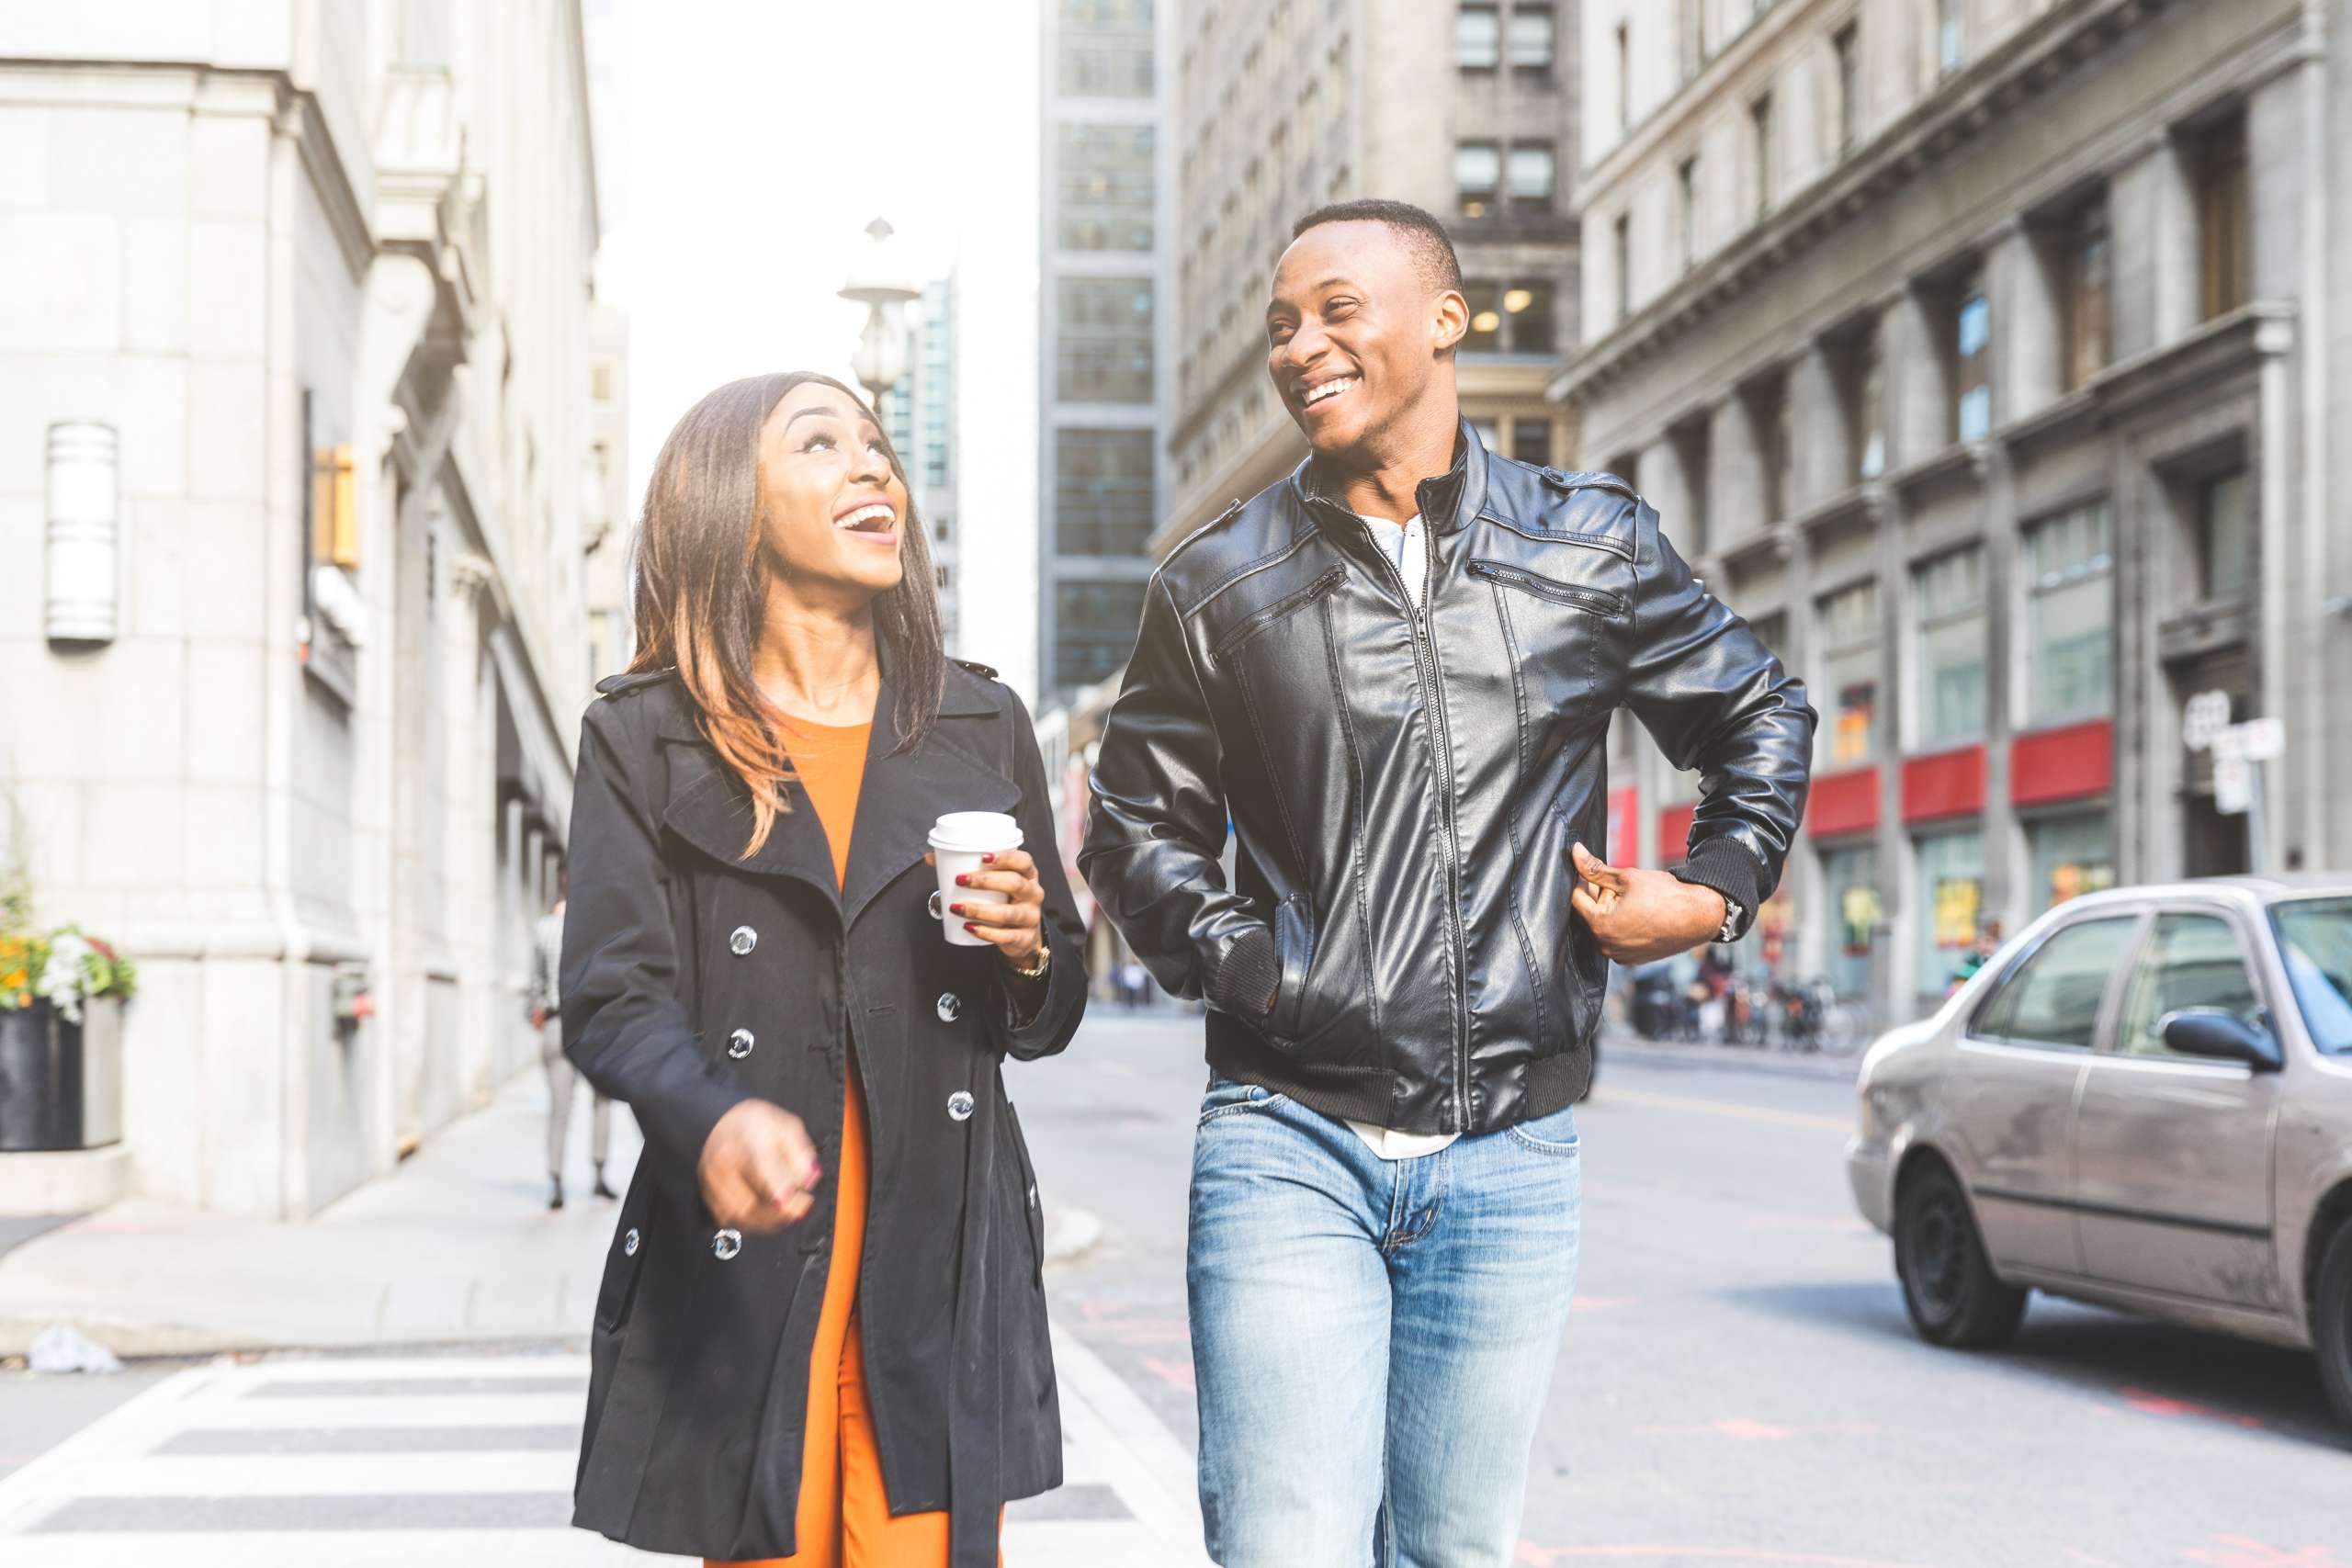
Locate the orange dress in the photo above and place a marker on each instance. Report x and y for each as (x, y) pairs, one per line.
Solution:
(843, 1519)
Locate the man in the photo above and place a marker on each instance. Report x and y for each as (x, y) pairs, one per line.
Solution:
(1395, 671)
(547, 962)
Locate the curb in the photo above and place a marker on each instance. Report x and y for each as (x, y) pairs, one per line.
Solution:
(1628, 1048)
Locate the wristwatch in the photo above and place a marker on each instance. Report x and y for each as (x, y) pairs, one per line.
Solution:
(1733, 914)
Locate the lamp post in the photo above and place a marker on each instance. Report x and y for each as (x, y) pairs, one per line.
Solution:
(876, 283)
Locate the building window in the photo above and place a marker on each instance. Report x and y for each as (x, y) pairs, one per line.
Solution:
(2088, 260)
(2224, 536)
(1477, 175)
(1624, 79)
(1485, 330)
(1850, 881)
(1477, 37)
(1622, 240)
(600, 383)
(1532, 39)
(1094, 629)
(1770, 418)
(1686, 212)
(1105, 174)
(2072, 855)
(1948, 605)
(1106, 49)
(1693, 30)
(1862, 388)
(1490, 436)
(1532, 178)
(1103, 347)
(1759, 121)
(1847, 44)
(1951, 35)
(1692, 442)
(2069, 569)
(1528, 312)
(1845, 631)
(1531, 441)
(1951, 903)
(1102, 483)
(2225, 230)
(1972, 360)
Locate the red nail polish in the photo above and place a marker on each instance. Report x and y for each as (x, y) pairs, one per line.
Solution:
(970, 927)
(988, 860)
(962, 880)
(955, 909)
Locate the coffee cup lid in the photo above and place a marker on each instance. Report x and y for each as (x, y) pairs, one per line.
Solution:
(976, 830)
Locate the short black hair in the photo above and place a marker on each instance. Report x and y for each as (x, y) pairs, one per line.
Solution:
(1432, 246)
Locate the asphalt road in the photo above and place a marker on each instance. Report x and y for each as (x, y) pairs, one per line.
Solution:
(1741, 1384)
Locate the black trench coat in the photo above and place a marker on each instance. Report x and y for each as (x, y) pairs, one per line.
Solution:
(693, 980)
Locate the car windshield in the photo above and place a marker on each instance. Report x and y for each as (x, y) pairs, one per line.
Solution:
(2315, 940)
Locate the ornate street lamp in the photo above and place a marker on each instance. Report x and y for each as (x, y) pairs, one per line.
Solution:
(878, 283)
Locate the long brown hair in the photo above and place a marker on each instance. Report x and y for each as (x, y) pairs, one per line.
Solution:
(703, 579)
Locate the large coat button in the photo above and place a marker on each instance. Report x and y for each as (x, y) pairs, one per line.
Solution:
(739, 1044)
(742, 940)
(959, 1105)
(726, 1244)
(628, 1243)
(951, 1007)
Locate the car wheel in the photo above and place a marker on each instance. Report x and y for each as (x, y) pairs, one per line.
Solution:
(1949, 1286)
(2332, 1321)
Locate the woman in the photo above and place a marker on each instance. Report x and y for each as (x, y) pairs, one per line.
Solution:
(821, 1333)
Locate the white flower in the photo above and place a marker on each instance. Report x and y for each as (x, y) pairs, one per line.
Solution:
(65, 979)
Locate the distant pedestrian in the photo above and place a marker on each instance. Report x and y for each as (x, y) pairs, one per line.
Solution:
(547, 1017)
(1134, 984)
(848, 1367)
(1395, 671)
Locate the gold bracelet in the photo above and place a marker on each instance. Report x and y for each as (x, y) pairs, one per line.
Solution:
(1044, 958)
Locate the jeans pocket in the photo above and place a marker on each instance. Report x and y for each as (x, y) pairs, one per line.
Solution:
(1227, 1097)
(1554, 1134)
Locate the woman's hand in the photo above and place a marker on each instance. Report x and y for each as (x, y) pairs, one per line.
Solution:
(758, 1169)
(1018, 929)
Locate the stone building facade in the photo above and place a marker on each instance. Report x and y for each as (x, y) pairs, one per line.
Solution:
(1280, 106)
(1987, 354)
(300, 300)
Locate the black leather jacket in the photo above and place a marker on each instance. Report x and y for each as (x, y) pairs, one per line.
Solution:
(1403, 789)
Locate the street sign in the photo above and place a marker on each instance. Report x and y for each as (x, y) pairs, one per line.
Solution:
(2232, 786)
(2202, 718)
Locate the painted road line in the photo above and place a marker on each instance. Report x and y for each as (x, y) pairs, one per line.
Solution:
(1655, 1101)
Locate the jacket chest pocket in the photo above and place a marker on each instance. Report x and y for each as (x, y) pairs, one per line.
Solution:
(1277, 658)
(1553, 638)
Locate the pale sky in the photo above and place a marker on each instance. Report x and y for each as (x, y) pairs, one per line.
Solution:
(758, 139)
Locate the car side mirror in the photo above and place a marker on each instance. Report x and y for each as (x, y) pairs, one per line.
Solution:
(2219, 1035)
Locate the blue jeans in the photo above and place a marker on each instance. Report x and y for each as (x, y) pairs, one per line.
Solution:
(1373, 1340)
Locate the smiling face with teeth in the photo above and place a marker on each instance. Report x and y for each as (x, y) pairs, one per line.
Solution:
(832, 502)
(1360, 345)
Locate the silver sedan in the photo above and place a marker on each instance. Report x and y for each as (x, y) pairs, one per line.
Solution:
(2145, 1100)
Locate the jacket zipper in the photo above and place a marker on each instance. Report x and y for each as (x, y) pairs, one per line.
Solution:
(1599, 601)
(1441, 744)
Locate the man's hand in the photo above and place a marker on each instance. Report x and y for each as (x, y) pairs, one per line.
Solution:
(1638, 915)
(757, 1168)
(538, 1018)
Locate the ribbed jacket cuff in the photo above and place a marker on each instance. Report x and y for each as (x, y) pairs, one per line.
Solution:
(1244, 981)
(1731, 869)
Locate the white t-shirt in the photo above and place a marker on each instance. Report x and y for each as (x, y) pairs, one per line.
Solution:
(1407, 544)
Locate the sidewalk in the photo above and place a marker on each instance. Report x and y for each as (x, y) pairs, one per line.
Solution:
(458, 1246)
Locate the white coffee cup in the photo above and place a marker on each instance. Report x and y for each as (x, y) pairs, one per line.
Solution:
(957, 842)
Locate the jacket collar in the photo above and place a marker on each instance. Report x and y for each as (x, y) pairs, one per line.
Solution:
(901, 793)
(1449, 502)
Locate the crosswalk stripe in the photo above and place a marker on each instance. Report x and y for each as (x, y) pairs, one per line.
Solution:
(364, 1462)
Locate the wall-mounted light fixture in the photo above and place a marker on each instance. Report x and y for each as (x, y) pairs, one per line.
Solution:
(83, 531)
